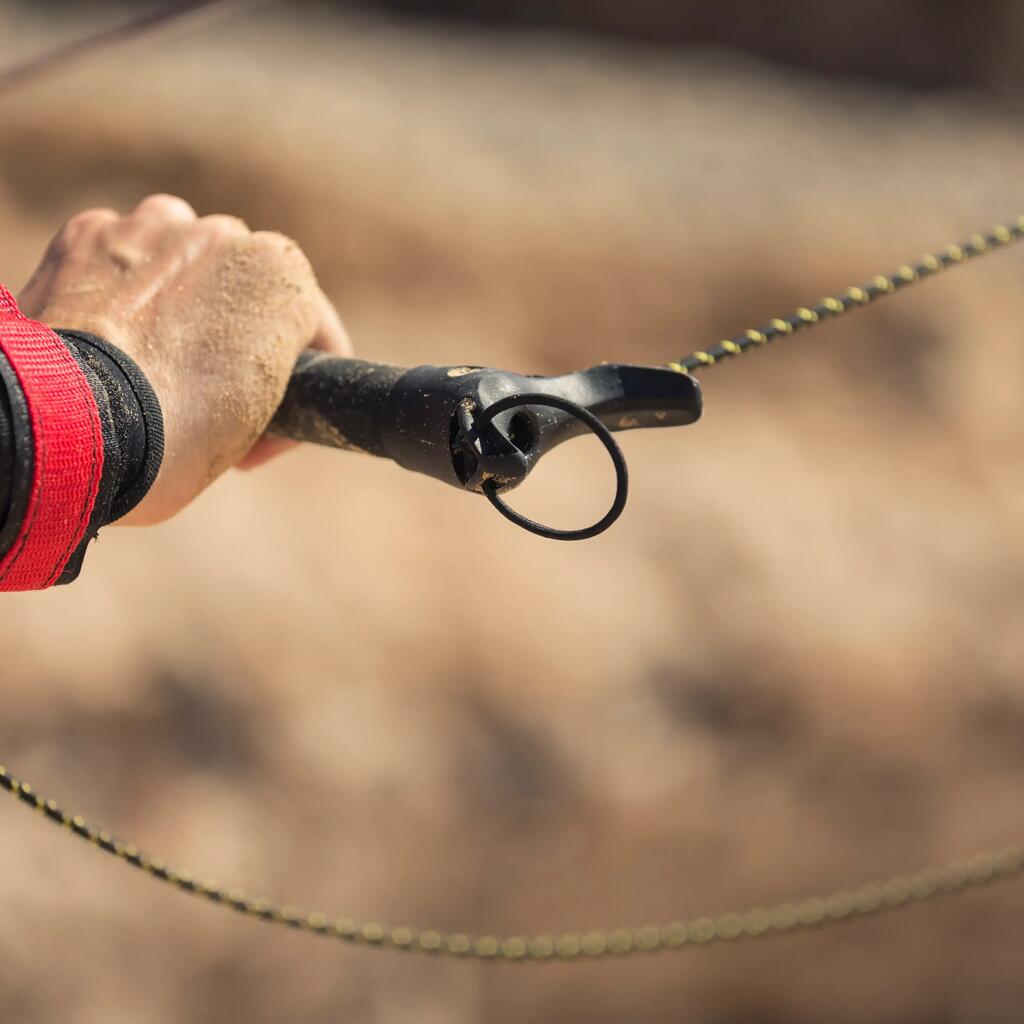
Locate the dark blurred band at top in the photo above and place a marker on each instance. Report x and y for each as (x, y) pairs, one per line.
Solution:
(918, 44)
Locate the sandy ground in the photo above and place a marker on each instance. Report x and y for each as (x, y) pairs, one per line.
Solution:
(792, 666)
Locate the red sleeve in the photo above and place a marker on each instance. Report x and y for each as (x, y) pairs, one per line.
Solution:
(67, 440)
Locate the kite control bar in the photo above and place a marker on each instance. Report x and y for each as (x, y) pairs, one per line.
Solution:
(479, 429)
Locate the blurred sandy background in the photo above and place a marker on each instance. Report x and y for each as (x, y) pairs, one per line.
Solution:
(795, 663)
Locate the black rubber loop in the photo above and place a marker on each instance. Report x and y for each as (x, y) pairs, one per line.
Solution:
(604, 435)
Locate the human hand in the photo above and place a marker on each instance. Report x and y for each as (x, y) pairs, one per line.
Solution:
(214, 314)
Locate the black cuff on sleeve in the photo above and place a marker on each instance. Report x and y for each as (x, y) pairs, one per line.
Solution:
(133, 440)
(137, 419)
(133, 433)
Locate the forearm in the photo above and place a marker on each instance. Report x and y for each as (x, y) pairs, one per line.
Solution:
(81, 439)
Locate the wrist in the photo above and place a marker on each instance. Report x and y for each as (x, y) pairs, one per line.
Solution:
(56, 452)
(80, 445)
(135, 446)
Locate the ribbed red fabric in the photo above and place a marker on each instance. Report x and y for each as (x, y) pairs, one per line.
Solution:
(68, 450)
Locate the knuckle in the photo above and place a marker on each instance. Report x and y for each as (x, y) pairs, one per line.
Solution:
(223, 225)
(165, 204)
(276, 243)
(283, 251)
(88, 220)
